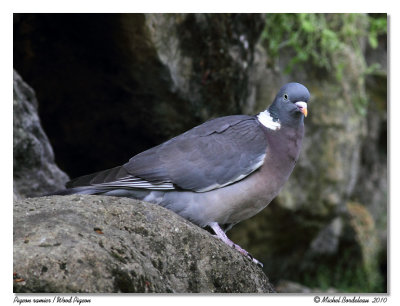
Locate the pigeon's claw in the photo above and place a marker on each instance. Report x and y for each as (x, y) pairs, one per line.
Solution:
(219, 233)
(258, 263)
(247, 254)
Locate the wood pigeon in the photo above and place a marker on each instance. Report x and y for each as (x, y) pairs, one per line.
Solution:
(217, 174)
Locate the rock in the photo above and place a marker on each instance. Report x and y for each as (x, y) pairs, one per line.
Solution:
(363, 225)
(308, 231)
(372, 186)
(327, 240)
(35, 171)
(95, 244)
(134, 80)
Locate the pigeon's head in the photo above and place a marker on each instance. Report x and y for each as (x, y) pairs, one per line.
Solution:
(290, 104)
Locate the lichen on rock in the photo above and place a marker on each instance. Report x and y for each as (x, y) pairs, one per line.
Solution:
(101, 244)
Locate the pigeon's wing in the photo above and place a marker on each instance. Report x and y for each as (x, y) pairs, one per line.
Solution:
(117, 177)
(212, 155)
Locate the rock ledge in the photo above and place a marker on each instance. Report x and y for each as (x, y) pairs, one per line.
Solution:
(94, 244)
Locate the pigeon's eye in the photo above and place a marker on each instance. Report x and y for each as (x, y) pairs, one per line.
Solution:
(285, 96)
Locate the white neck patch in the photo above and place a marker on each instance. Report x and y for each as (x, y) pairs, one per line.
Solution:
(266, 120)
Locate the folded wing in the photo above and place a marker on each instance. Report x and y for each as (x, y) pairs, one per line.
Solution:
(212, 155)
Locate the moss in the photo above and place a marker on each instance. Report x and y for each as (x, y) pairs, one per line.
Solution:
(317, 38)
(347, 276)
(333, 44)
(354, 268)
(365, 230)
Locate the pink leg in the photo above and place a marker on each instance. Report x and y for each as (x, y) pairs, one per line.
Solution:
(221, 235)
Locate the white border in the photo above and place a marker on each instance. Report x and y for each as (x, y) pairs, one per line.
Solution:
(8, 7)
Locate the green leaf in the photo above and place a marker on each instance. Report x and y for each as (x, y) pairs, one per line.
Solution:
(373, 41)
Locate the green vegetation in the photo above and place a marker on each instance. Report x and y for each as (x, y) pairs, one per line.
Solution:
(332, 48)
(320, 37)
(378, 26)
(347, 276)
(324, 41)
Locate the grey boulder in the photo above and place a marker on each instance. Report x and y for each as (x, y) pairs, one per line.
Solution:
(93, 244)
(35, 171)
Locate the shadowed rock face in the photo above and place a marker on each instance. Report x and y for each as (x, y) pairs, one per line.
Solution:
(35, 171)
(106, 244)
(113, 85)
(342, 165)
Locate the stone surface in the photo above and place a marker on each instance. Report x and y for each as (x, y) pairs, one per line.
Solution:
(35, 171)
(113, 85)
(343, 159)
(106, 244)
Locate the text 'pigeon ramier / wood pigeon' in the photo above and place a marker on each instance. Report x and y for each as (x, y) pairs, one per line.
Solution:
(217, 174)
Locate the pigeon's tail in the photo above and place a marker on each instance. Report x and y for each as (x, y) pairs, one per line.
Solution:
(76, 190)
(117, 192)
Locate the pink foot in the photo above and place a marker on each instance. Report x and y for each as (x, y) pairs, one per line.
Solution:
(221, 235)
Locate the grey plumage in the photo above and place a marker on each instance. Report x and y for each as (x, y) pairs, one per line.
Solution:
(218, 173)
(217, 153)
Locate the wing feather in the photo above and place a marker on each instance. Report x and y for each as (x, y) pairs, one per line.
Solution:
(212, 155)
